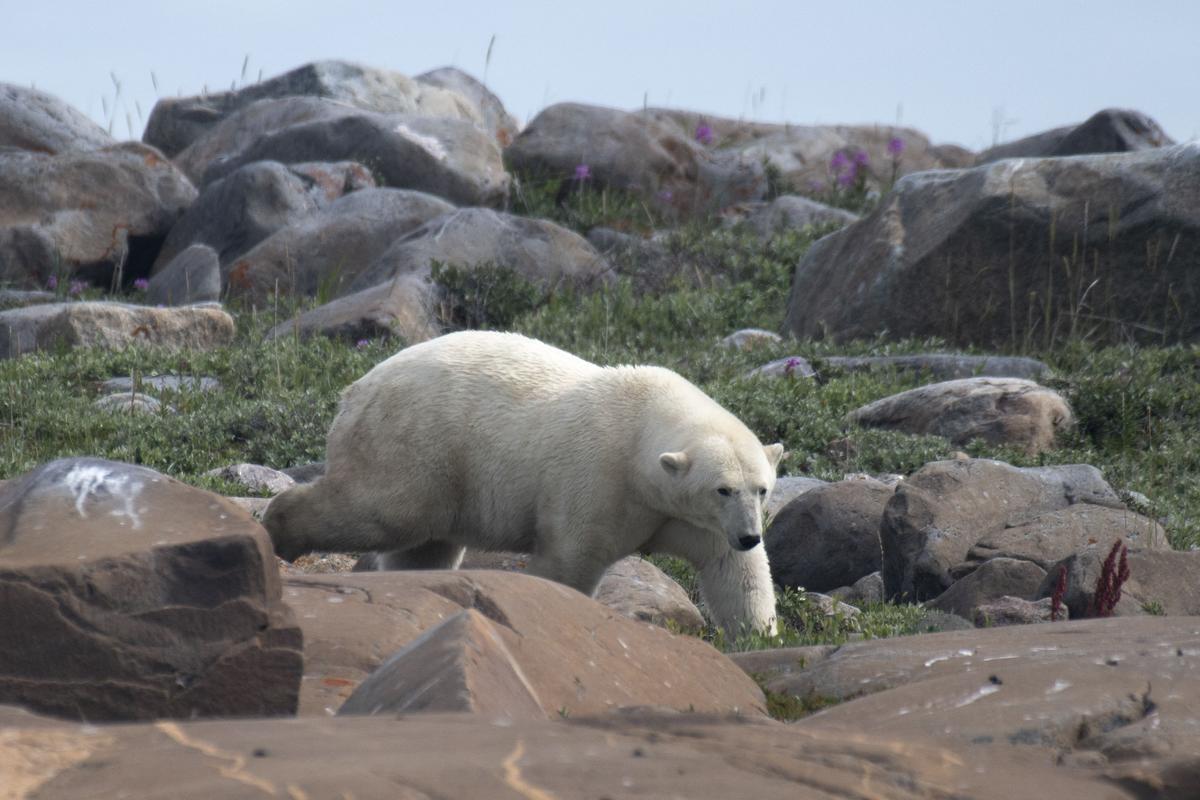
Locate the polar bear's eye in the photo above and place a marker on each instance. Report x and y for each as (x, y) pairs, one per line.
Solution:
(725, 491)
(762, 492)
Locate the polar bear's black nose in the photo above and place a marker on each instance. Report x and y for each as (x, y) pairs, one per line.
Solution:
(747, 542)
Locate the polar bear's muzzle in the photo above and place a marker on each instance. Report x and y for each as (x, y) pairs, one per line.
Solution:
(748, 542)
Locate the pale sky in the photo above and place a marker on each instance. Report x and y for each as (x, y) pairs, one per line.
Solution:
(958, 70)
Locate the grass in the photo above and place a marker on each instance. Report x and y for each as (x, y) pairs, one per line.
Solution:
(1138, 408)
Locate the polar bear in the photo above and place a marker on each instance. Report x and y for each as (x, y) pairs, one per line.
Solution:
(499, 442)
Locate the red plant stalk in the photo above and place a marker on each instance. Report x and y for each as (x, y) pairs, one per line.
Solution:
(1112, 577)
(1060, 589)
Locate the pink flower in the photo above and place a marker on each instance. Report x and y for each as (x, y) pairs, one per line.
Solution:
(362, 344)
(895, 146)
(704, 133)
(141, 284)
(583, 172)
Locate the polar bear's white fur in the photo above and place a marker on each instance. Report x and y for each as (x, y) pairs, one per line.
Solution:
(499, 442)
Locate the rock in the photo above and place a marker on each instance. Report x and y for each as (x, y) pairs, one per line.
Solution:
(1117, 696)
(934, 621)
(130, 403)
(254, 477)
(750, 338)
(17, 298)
(330, 248)
(801, 154)
(938, 514)
(634, 153)
(235, 213)
(981, 256)
(943, 366)
(831, 606)
(827, 537)
(193, 276)
(403, 307)
(639, 590)
(162, 383)
(129, 595)
(448, 158)
(175, 123)
(1004, 411)
(787, 489)
(38, 121)
(306, 473)
(994, 579)
(89, 213)
(1057, 534)
(867, 589)
(576, 656)
(1113, 130)
(537, 250)
(496, 120)
(790, 367)
(1015, 611)
(465, 756)
(790, 213)
(1160, 581)
(113, 326)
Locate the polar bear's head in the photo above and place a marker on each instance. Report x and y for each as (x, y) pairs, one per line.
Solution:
(721, 483)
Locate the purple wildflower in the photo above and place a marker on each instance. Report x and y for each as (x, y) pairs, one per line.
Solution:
(52, 282)
(141, 284)
(666, 195)
(838, 163)
(895, 146)
(861, 159)
(846, 179)
(790, 366)
(583, 172)
(76, 288)
(362, 344)
(704, 133)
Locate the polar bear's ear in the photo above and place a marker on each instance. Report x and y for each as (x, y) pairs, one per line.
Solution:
(774, 453)
(675, 463)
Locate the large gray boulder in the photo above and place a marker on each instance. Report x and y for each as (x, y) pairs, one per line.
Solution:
(538, 250)
(994, 579)
(330, 248)
(176, 123)
(34, 120)
(90, 213)
(129, 595)
(636, 153)
(496, 119)
(828, 537)
(450, 158)
(941, 511)
(1017, 253)
(1113, 130)
(248, 205)
(1006, 411)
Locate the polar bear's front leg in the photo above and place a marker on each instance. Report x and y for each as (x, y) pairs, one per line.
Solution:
(738, 591)
(736, 585)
